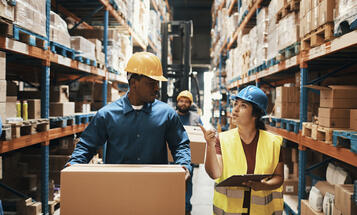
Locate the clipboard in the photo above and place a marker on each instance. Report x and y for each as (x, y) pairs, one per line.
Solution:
(237, 180)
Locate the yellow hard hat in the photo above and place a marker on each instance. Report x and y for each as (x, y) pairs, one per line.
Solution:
(146, 63)
(186, 94)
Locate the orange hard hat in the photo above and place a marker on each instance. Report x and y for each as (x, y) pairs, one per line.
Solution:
(147, 64)
(186, 94)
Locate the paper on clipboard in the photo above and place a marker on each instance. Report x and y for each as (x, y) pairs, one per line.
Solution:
(237, 180)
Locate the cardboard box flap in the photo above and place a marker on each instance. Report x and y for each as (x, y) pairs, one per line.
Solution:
(124, 168)
(316, 87)
(332, 87)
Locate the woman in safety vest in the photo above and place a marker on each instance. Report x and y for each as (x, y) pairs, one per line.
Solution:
(247, 149)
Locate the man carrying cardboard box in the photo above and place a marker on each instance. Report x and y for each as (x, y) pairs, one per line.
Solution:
(137, 127)
(187, 117)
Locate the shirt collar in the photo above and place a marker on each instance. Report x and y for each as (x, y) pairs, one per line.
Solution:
(128, 108)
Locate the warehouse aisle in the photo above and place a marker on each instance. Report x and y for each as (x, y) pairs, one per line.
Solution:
(202, 197)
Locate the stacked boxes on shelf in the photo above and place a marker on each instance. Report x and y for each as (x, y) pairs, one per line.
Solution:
(154, 30)
(288, 31)
(290, 157)
(262, 34)
(140, 19)
(287, 102)
(59, 31)
(99, 55)
(272, 30)
(60, 105)
(31, 15)
(7, 11)
(85, 47)
(346, 11)
(335, 105)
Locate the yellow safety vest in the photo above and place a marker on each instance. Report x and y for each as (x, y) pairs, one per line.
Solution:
(229, 200)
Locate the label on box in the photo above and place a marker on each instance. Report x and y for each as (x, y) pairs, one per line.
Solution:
(289, 189)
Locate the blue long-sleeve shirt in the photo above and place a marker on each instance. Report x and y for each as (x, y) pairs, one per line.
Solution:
(135, 137)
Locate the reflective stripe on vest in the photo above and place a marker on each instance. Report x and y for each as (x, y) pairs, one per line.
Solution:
(218, 211)
(267, 199)
(230, 193)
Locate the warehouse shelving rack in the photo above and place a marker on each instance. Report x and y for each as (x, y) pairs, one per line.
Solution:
(72, 70)
(340, 52)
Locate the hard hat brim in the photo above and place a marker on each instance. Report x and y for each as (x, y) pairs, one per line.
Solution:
(235, 97)
(157, 78)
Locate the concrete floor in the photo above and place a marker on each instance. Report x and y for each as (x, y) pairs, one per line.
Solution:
(202, 194)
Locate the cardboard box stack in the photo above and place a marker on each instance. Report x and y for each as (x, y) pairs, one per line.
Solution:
(272, 30)
(345, 11)
(287, 102)
(262, 34)
(344, 203)
(154, 29)
(314, 14)
(85, 47)
(31, 15)
(353, 119)
(59, 31)
(142, 188)
(60, 105)
(7, 11)
(335, 104)
(140, 19)
(288, 31)
(99, 55)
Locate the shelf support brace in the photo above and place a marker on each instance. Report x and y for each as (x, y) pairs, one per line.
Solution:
(86, 18)
(320, 79)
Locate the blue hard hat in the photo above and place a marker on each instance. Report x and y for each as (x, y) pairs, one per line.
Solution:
(254, 95)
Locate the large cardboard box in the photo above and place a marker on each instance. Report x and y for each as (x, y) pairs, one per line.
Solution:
(60, 93)
(334, 118)
(325, 187)
(98, 48)
(10, 109)
(353, 119)
(61, 108)
(290, 186)
(7, 11)
(197, 145)
(31, 15)
(2, 90)
(2, 65)
(287, 94)
(337, 96)
(307, 210)
(82, 107)
(326, 8)
(84, 46)
(34, 108)
(314, 18)
(123, 189)
(343, 199)
(287, 110)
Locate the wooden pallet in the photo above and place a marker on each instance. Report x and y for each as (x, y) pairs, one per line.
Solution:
(289, 52)
(52, 206)
(324, 134)
(62, 50)
(317, 132)
(100, 65)
(6, 28)
(61, 122)
(27, 127)
(292, 6)
(6, 132)
(345, 139)
(317, 37)
(29, 38)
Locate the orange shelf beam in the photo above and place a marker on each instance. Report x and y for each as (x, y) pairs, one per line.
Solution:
(284, 133)
(29, 140)
(245, 21)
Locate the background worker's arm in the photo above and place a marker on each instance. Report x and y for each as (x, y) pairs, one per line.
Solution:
(178, 142)
(213, 162)
(94, 136)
